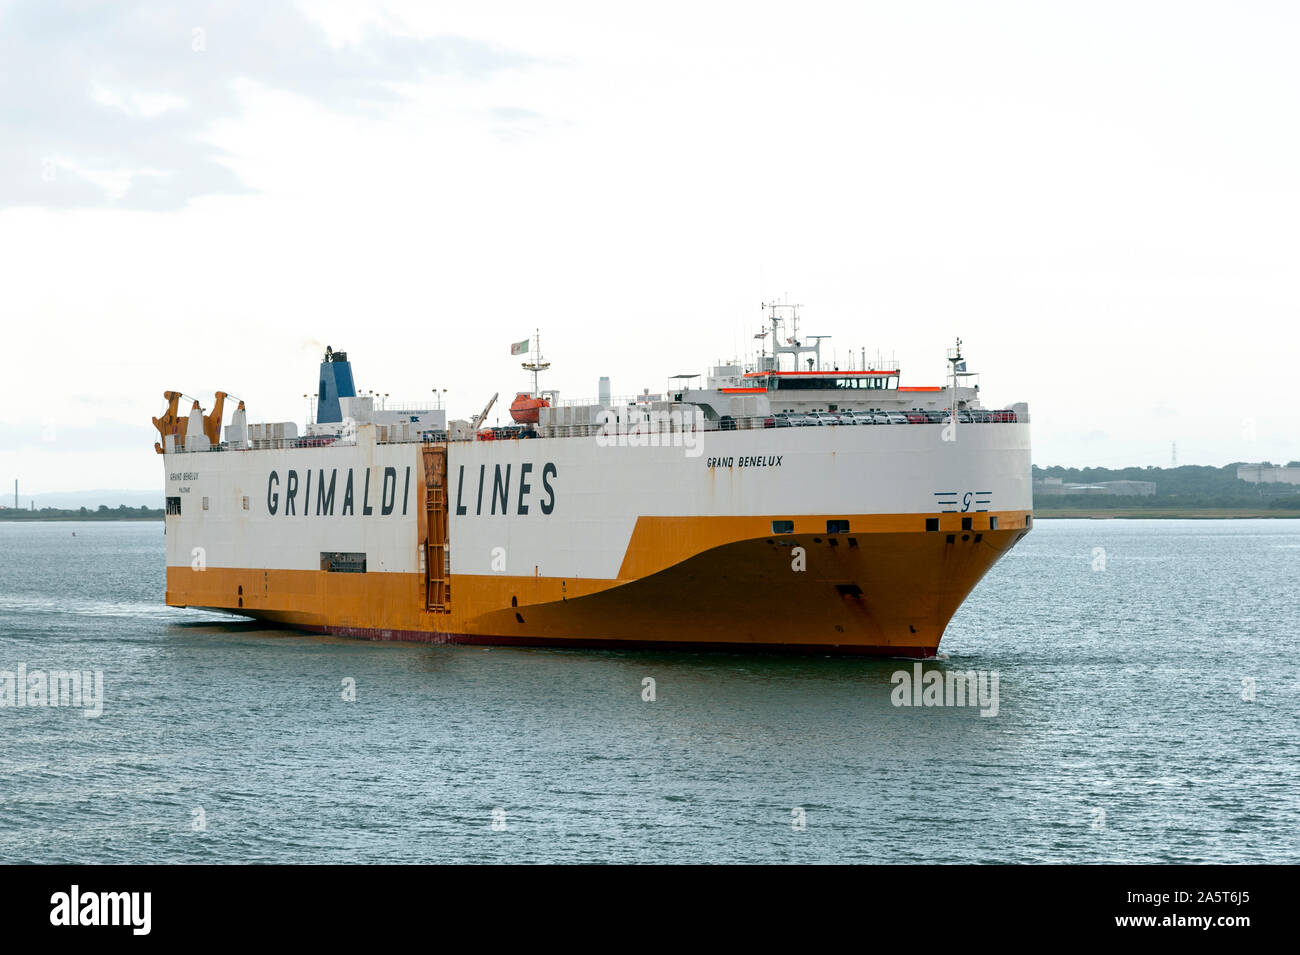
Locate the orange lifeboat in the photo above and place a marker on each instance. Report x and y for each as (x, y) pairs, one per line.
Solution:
(524, 409)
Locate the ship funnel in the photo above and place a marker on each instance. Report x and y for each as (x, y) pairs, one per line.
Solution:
(335, 383)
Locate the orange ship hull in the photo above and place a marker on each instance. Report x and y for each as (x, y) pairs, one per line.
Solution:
(882, 590)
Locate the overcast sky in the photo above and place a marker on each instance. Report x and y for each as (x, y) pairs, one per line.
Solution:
(1101, 199)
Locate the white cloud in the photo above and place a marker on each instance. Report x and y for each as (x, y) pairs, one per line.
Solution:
(145, 104)
(130, 90)
(1100, 200)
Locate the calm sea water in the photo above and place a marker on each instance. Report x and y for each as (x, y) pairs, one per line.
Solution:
(1120, 692)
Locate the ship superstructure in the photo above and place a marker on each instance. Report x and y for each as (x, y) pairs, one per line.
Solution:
(760, 506)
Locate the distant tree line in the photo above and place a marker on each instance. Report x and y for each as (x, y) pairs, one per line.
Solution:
(1188, 486)
(102, 513)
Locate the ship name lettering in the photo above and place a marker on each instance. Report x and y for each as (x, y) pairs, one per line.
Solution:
(282, 493)
(499, 485)
(746, 461)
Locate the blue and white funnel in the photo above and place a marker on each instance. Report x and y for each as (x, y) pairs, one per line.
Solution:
(335, 383)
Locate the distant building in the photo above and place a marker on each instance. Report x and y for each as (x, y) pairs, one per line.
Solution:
(1049, 487)
(1268, 474)
(1055, 487)
(1131, 488)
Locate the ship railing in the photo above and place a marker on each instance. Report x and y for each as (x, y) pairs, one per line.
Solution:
(276, 444)
(414, 405)
(402, 405)
(787, 420)
(615, 401)
(664, 426)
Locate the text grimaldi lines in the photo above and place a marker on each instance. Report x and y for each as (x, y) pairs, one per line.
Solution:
(292, 495)
(503, 489)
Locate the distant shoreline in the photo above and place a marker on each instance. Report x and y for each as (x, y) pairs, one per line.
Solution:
(77, 520)
(1169, 513)
(91, 517)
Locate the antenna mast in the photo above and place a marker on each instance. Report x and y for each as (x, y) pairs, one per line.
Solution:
(536, 365)
(793, 346)
(958, 371)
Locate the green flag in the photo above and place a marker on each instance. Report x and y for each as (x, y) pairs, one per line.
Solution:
(518, 348)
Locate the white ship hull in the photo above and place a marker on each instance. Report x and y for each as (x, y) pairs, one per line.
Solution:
(579, 541)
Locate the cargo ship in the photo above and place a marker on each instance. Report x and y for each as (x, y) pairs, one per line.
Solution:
(784, 504)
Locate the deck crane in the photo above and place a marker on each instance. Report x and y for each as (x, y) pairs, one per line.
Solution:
(477, 422)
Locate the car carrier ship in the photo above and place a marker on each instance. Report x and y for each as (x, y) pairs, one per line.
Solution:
(780, 505)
